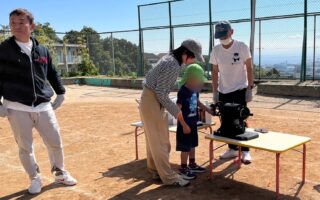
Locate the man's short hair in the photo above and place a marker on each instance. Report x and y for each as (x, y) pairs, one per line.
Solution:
(22, 11)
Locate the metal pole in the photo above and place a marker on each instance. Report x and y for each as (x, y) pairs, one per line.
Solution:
(314, 46)
(113, 61)
(210, 26)
(213, 34)
(170, 27)
(259, 49)
(141, 67)
(253, 23)
(304, 45)
(65, 59)
(210, 41)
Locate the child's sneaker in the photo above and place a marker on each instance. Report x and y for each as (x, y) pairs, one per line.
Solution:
(196, 168)
(186, 174)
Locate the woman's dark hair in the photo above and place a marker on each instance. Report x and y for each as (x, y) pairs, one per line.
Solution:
(177, 53)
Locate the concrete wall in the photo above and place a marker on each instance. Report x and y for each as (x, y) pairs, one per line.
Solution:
(269, 88)
(115, 82)
(71, 81)
(296, 90)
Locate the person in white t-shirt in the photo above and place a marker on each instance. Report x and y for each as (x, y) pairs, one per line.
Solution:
(232, 77)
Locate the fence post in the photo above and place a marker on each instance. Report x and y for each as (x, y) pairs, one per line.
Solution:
(141, 67)
(304, 45)
(170, 27)
(253, 23)
(259, 49)
(211, 38)
(314, 46)
(113, 61)
(65, 54)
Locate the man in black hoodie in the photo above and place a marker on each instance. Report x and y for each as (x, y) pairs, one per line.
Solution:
(27, 77)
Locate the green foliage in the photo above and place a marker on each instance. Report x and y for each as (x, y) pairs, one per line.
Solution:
(86, 67)
(71, 74)
(264, 73)
(49, 32)
(72, 37)
(273, 73)
(4, 33)
(133, 75)
(47, 37)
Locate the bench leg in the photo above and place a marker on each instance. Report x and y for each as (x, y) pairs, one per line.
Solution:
(211, 157)
(304, 163)
(239, 157)
(136, 141)
(210, 129)
(277, 174)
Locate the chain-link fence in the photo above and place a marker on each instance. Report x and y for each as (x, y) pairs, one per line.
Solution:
(286, 46)
(278, 49)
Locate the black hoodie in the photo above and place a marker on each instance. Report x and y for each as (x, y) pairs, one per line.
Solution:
(25, 82)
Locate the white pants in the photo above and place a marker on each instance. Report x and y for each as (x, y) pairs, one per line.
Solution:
(46, 124)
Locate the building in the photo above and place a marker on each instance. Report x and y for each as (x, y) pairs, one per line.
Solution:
(68, 56)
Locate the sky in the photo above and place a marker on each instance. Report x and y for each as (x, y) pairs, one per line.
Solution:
(279, 37)
(64, 15)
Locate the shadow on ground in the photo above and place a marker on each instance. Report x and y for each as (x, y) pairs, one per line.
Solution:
(24, 195)
(223, 185)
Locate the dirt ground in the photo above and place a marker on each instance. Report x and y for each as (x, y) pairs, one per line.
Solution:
(99, 152)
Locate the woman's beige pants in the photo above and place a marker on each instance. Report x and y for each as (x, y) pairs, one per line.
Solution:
(156, 129)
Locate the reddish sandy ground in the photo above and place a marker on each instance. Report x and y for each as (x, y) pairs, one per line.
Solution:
(99, 152)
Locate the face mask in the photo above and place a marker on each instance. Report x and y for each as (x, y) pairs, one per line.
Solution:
(226, 41)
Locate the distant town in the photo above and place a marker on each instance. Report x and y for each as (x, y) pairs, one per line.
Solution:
(286, 69)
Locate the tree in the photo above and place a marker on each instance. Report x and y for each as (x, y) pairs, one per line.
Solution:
(86, 67)
(4, 32)
(72, 37)
(47, 37)
(273, 73)
(49, 32)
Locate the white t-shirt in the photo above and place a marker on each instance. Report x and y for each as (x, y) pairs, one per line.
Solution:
(27, 48)
(232, 68)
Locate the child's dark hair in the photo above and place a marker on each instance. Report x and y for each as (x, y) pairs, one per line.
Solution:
(177, 53)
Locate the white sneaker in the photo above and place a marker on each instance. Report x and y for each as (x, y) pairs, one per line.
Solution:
(230, 153)
(181, 182)
(246, 157)
(35, 186)
(65, 178)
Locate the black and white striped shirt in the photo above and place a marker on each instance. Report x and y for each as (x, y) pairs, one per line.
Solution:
(162, 78)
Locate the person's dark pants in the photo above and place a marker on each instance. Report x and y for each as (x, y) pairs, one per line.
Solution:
(238, 97)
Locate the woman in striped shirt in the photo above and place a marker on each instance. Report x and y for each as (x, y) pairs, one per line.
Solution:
(155, 99)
